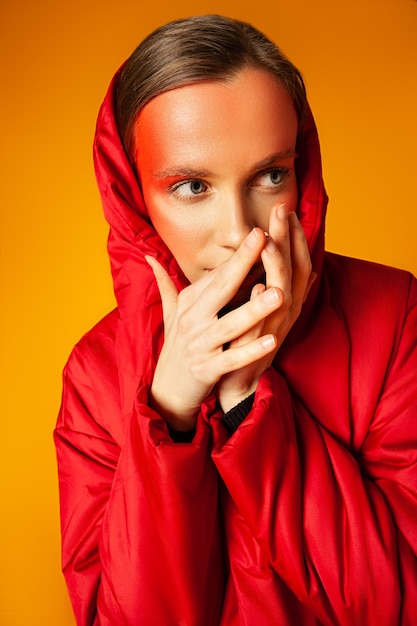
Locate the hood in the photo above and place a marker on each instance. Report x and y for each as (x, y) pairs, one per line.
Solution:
(132, 236)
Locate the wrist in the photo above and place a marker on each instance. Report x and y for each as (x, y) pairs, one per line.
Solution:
(229, 400)
(177, 419)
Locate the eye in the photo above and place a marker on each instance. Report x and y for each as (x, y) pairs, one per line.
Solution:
(189, 188)
(276, 176)
(272, 179)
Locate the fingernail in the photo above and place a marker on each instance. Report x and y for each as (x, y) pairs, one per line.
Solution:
(268, 341)
(270, 296)
(282, 211)
(252, 238)
(150, 260)
(153, 263)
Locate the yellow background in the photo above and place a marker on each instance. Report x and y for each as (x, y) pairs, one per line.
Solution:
(359, 59)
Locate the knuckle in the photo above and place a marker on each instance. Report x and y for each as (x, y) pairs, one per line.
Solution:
(183, 300)
(287, 300)
(184, 322)
(196, 370)
(202, 374)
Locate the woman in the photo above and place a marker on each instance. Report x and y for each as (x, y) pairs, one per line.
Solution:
(237, 440)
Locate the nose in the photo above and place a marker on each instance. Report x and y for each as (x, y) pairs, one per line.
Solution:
(235, 220)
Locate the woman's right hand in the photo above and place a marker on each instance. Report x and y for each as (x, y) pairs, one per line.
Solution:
(193, 358)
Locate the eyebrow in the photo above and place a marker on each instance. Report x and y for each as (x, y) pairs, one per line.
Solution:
(189, 172)
(273, 158)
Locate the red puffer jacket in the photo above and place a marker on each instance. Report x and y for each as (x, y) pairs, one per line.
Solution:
(307, 514)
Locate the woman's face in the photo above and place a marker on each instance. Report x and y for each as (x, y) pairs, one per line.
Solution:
(213, 158)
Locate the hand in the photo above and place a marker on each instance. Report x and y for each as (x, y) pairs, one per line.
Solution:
(193, 358)
(287, 264)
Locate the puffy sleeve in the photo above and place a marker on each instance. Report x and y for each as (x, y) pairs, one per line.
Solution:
(337, 524)
(139, 514)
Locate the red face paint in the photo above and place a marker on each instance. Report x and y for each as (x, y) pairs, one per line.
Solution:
(213, 158)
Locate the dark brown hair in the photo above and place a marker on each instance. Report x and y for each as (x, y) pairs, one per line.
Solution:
(192, 50)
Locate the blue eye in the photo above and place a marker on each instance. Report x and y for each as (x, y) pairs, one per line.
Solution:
(272, 179)
(189, 188)
(276, 176)
(196, 186)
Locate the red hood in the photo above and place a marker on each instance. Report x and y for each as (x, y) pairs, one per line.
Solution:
(132, 235)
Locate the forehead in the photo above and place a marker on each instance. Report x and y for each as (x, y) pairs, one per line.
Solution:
(251, 113)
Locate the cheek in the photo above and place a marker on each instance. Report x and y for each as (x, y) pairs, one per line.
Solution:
(175, 230)
(290, 196)
(293, 203)
(158, 214)
(165, 221)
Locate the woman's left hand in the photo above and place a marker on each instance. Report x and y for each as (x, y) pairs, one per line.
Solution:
(287, 264)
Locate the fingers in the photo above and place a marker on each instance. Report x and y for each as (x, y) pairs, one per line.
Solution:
(224, 281)
(303, 277)
(276, 256)
(246, 322)
(256, 329)
(289, 265)
(236, 358)
(279, 231)
(166, 286)
(277, 252)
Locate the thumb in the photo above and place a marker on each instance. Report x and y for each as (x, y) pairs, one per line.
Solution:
(166, 286)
